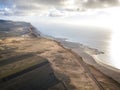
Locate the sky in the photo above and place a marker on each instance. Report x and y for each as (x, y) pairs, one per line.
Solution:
(102, 13)
(51, 7)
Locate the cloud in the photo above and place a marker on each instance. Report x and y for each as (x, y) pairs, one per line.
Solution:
(100, 3)
(29, 7)
(56, 13)
(38, 7)
(37, 4)
(45, 2)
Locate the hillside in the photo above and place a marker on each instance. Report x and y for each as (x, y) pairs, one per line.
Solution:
(17, 29)
(22, 47)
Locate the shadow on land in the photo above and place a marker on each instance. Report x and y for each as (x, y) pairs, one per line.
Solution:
(37, 77)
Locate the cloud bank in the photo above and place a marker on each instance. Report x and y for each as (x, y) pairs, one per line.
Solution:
(46, 7)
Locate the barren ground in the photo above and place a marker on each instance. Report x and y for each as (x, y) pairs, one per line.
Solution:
(68, 66)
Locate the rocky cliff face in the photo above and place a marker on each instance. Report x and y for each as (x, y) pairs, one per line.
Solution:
(17, 29)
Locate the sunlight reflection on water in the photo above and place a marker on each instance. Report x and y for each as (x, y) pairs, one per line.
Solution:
(115, 49)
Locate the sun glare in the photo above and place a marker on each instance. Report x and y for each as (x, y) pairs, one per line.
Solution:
(70, 2)
(114, 48)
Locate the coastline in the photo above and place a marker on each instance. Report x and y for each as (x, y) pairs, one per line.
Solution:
(105, 65)
(107, 70)
(68, 66)
(89, 57)
(69, 62)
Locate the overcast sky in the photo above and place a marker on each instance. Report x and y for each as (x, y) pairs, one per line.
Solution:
(51, 7)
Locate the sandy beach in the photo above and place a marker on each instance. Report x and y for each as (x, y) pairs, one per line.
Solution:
(89, 55)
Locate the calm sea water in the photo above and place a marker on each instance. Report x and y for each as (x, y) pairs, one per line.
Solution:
(103, 39)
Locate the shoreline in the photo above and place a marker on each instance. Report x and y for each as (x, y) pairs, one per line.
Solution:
(90, 59)
(68, 64)
(105, 65)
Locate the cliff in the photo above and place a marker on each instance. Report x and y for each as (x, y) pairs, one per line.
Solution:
(17, 29)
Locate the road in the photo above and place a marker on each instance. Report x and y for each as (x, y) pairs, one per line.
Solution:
(86, 68)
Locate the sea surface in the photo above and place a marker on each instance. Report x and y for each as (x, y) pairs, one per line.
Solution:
(103, 39)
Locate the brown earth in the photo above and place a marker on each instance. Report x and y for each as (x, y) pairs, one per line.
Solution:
(67, 65)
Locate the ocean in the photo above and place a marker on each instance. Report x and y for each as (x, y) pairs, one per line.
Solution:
(103, 39)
